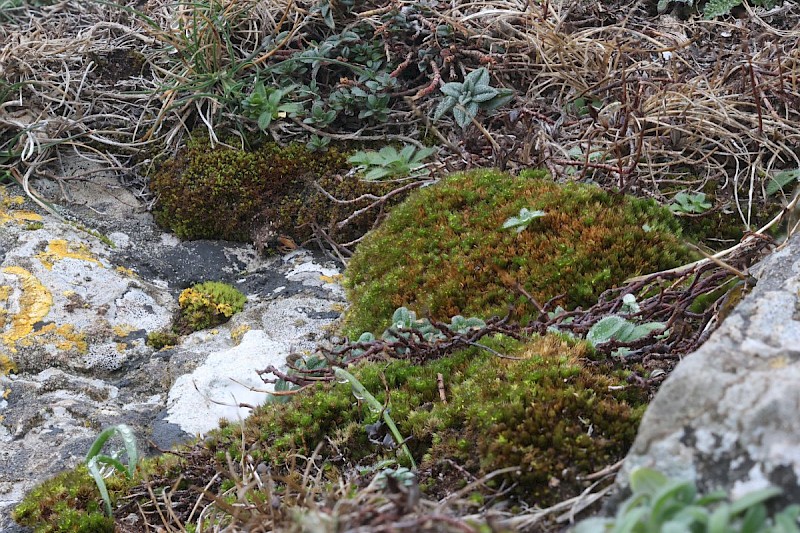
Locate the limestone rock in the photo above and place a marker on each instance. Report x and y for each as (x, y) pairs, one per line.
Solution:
(75, 311)
(729, 415)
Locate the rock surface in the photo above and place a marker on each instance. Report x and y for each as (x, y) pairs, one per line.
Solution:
(729, 414)
(75, 310)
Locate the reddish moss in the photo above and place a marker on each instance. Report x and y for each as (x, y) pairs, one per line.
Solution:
(443, 252)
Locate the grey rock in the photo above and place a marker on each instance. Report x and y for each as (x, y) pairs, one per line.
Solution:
(729, 415)
(75, 312)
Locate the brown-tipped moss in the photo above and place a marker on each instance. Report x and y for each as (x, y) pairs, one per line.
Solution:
(68, 503)
(443, 251)
(299, 209)
(220, 193)
(547, 413)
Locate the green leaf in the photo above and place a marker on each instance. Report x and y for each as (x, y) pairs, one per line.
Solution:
(604, 330)
(503, 97)
(376, 173)
(526, 216)
(717, 8)
(646, 480)
(672, 497)
(485, 95)
(407, 152)
(643, 330)
(452, 89)
(112, 462)
(720, 520)
(472, 110)
(477, 78)
(754, 519)
(754, 498)
(403, 318)
(461, 116)
(629, 521)
(424, 153)
(264, 120)
(94, 458)
(445, 106)
(781, 180)
(786, 520)
(366, 337)
(460, 324)
(94, 471)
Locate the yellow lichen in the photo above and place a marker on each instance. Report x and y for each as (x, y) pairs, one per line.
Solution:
(238, 332)
(126, 271)
(60, 249)
(63, 337)
(336, 278)
(123, 330)
(34, 304)
(8, 214)
(6, 366)
(121, 347)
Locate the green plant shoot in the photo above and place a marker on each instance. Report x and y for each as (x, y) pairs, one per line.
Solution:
(361, 392)
(94, 459)
(523, 220)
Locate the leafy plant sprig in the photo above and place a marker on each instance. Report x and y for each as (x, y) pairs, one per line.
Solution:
(662, 504)
(266, 104)
(405, 324)
(389, 163)
(619, 329)
(362, 393)
(466, 98)
(781, 180)
(689, 203)
(319, 116)
(95, 461)
(523, 220)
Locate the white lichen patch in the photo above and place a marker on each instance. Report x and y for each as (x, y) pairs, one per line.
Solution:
(106, 357)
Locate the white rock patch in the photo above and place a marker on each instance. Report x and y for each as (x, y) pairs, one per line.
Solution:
(215, 389)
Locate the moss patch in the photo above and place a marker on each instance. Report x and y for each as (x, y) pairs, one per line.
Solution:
(443, 251)
(208, 304)
(220, 193)
(68, 503)
(547, 413)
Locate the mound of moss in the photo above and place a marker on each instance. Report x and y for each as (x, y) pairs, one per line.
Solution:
(547, 413)
(68, 503)
(444, 252)
(241, 195)
(208, 304)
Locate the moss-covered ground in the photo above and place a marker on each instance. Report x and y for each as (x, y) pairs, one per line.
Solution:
(551, 412)
(364, 72)
(443, 252)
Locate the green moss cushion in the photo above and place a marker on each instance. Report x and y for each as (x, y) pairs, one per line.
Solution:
(444, 252)
(548, 413)
(220, 193)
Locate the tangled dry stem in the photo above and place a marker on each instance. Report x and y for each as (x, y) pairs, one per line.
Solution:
(693, 102)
